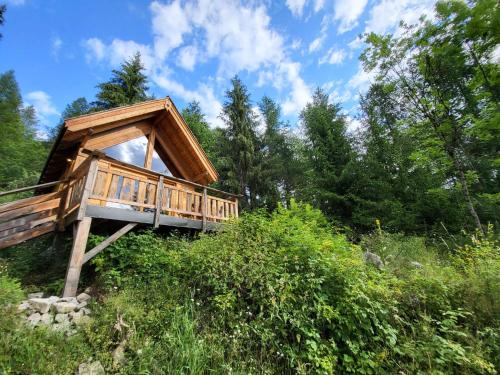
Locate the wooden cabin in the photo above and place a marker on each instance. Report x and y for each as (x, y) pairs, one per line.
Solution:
(80, 183)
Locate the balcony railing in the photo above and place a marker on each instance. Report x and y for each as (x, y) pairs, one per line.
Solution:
(116, 184)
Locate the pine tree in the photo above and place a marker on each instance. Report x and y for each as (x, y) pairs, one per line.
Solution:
(127, 86)
(196, 121)
(77, 107)
(329, 150)
(241, 140)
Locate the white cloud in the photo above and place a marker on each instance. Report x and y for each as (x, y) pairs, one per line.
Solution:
(318, 5)
(356, 43)
(204, 94)
(333, 56)
(348, 13)
(300, 91)
(117, 52)
(95, 49)
(361, 80)
(353, 124)
(121, 50)
(296, 43)
(187, 57)
(386, 15)
(170, 24)
(239, 37)
(316, 44)
(56, 46)
(43, 105)
(296, 7)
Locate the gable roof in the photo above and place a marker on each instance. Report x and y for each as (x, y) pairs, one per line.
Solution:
(175, 143)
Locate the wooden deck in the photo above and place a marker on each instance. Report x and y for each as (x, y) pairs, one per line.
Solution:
(105, 188)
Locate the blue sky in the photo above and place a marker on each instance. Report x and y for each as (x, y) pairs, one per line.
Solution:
(60, 50)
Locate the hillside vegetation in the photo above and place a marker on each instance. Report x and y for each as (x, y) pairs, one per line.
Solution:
(279, 293)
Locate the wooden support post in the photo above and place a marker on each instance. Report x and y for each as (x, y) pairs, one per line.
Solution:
(108, 241)
(81, 234)
(159, 192)
(236, 207)
(148, 159)
(204, 210)
(89, 185)
(62, 207)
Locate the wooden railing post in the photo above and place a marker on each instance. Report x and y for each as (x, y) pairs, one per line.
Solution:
(62, 207)
(159, 192)
(89, 185)
(204, 210)
(236, 207)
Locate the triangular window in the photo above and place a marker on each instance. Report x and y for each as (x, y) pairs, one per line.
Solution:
(134, 152)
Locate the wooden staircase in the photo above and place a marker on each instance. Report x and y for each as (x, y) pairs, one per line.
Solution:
(28, 218)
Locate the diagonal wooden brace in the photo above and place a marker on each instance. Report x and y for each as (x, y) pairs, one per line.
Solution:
(108, 241)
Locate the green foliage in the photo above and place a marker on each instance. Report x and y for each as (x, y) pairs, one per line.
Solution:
(277, 293)
(76, 108)
(240, 141)
(21, 154)
(127, 86)
(443, 74)
(329, 152)
(195, 118)
(284, 289)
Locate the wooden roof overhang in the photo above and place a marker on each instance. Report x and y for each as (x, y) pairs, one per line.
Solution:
(174, 142)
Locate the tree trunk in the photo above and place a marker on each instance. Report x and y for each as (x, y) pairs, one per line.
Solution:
(468, 199)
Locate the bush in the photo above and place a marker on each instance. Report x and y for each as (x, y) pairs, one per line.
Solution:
(277, 293)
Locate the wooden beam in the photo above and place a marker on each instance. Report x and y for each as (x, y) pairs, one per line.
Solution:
(81, 235)
(26, 210)
(159, 192)
(114, 115)
(172, 156)
(20, 190)
(119, 214)
(16, 238)
(204, 210)
(119, 135)
(148, 159)
(104, 244)
(89, 185)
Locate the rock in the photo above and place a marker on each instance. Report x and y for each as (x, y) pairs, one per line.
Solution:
(64, 307)
(81, 320)
(41, 305)
(76, 314)
(46, 319)
(83, 297)
(416, 264)
(86, 311)
(62, 327)
(23, 306)
(87, 290)
(82, 305)
(35, 295)
(61, 318)
(374, 259)
(68, 299)
(34, 319)
(94, 368)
